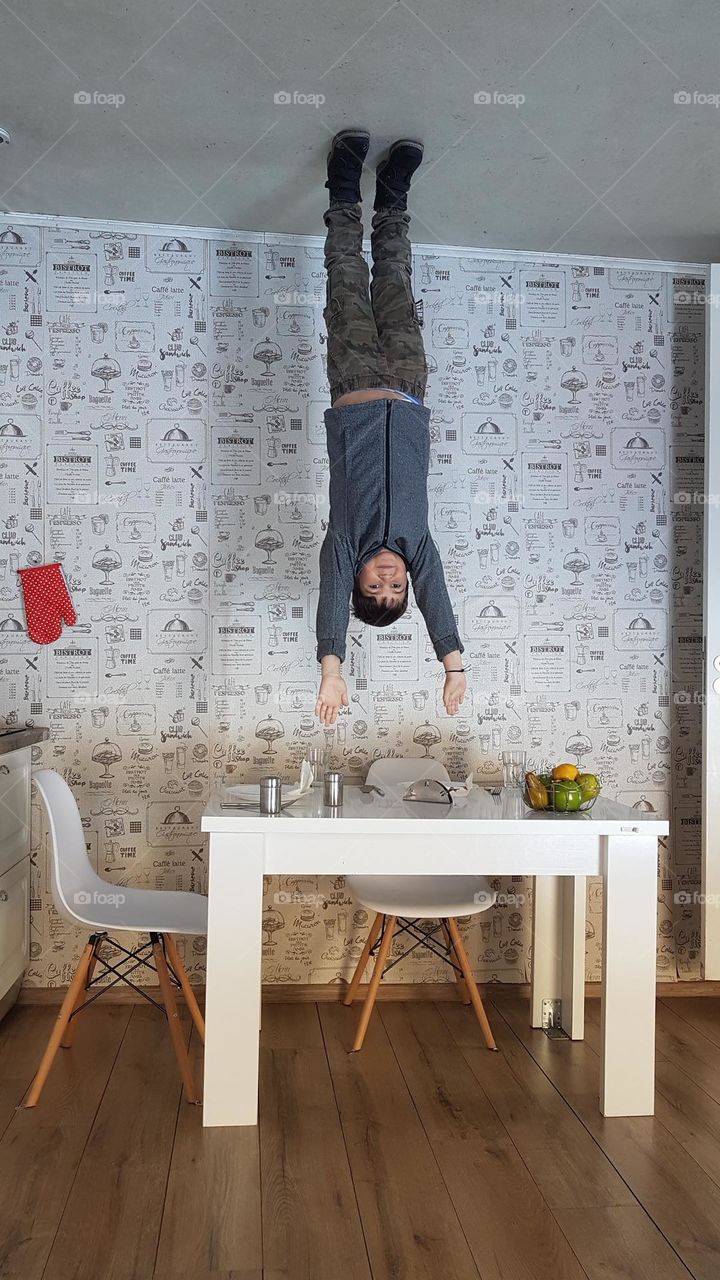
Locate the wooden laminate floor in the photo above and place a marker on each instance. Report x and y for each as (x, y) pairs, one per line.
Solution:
(425, 1157)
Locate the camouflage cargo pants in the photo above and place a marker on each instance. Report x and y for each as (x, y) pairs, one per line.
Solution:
(373, 338)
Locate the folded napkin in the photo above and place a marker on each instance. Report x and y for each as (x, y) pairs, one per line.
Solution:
(249, 792)
(461, 791)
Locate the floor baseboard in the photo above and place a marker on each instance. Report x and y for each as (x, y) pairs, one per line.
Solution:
(315, 993)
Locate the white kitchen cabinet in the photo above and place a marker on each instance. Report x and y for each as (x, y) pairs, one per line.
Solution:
(14, 808)
(14, 928)
(15, 771)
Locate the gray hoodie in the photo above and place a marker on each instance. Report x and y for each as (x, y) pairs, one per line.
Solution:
(379, 453)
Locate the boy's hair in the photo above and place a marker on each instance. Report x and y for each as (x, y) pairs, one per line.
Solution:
(374, 612)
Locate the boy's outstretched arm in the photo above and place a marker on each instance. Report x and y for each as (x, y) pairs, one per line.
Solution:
(333, 690)
(455, 683)
(430, 591)
(333, 615)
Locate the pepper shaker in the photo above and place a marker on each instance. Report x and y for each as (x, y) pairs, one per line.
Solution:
(270, 794)
(333, 789)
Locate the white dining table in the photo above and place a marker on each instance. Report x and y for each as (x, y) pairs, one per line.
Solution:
(485, 834)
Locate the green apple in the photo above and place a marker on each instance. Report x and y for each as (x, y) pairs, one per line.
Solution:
(589, 785)
(567, 797)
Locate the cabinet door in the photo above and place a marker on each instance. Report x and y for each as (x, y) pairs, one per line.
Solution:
(14, 923)
(14, 808)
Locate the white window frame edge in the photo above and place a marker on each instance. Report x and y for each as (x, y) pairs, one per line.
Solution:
(710, 819)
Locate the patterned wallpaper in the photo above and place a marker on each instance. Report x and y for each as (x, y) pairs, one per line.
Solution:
(161, 434)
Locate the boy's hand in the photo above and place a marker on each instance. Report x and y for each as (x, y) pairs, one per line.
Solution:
(332, 696)
(454, 691)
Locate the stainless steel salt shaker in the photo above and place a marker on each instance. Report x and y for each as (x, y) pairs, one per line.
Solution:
(270, 794)
(333, 789)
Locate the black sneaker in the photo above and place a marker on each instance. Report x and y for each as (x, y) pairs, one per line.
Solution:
(346, 157)
(394, 175)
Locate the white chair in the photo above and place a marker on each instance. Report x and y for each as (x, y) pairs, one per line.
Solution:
(84, 898)
(401, 901)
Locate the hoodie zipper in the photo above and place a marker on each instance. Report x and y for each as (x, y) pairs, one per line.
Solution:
(387, 473)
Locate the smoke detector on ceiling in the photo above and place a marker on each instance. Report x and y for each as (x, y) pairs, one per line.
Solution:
(4, 136)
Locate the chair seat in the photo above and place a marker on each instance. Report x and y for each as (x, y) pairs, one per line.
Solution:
(423, 897)
(143, 910)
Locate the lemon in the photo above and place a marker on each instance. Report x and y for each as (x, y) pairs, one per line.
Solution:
(565, 772)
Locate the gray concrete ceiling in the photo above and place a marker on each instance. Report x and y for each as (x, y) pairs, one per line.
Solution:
(599, 158)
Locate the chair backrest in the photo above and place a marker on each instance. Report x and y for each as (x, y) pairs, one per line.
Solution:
(74, 882)
(389, 772)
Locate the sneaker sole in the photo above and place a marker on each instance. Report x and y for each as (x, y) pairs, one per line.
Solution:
(348, 133)
(407, 142)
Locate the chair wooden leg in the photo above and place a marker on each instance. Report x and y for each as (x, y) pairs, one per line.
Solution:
(375, 928)
(180, 972)
(470, 984)
(69, 1037)
(380, 960)
(462, 989)
(176, 1034)
(74, 991)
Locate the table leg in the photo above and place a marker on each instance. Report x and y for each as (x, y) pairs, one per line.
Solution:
(627, 1065)
(558, 948)
(546, 918)
(232, 997)
(572, 967)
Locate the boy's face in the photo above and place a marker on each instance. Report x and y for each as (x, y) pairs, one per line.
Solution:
(384, 577)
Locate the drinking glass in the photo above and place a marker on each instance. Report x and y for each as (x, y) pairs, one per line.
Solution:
(513, 767)
(317, 758)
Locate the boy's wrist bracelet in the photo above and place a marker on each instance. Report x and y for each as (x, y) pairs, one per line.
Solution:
(453, 671)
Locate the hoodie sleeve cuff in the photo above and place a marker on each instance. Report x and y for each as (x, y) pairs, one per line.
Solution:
(448, 644)
(330, 646)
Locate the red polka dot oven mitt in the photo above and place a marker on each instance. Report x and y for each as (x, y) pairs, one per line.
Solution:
(47, 602)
